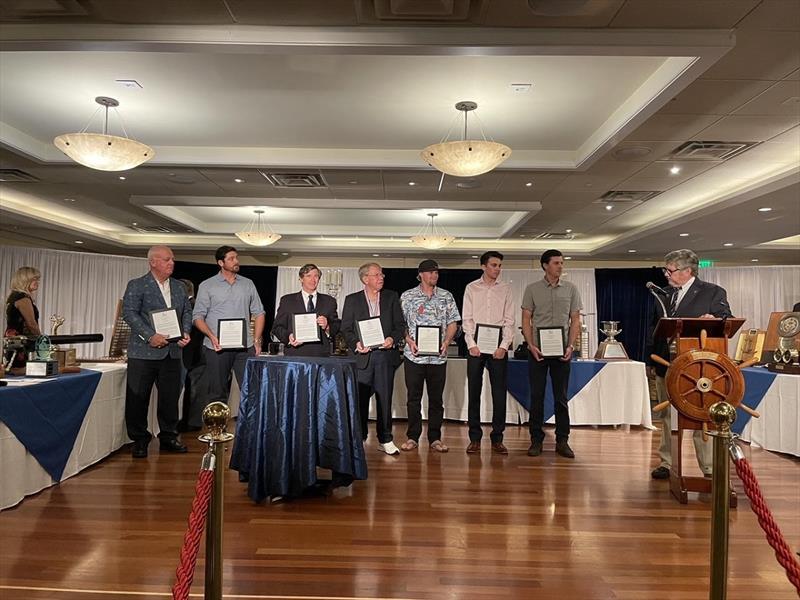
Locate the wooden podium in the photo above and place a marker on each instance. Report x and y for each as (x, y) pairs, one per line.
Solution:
(700, 373)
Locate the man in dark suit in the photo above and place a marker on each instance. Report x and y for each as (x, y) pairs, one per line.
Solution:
(152, 358)
(375, 366)
(307, 300)
(690, 298)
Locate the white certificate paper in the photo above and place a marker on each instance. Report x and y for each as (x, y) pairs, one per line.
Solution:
(306, 328)
(166, 323)
(551, 341)
(231, 333)
(429, 340)
(487, 337)
(370, 331)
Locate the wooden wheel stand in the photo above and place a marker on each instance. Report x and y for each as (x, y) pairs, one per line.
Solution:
(700, 373)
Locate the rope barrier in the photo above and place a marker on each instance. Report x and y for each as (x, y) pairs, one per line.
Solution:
(194, 532)
(774, 536)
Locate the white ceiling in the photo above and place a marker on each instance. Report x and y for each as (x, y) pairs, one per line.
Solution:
(352, 91)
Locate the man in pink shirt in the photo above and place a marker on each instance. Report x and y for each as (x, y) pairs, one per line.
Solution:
(488, 322)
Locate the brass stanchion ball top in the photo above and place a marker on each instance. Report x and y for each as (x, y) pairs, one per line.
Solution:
(215, 418)
(722, 414)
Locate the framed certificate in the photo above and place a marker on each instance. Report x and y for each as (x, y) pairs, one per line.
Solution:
(429, 340)
(232, 333)
(370, 332)
(550, 341)
(166, 323)
(305, 327)
(488, 337)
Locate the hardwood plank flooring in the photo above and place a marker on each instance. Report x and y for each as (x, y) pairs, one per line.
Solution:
(423, 526)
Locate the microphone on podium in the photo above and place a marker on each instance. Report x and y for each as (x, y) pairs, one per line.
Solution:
(653, 287)
(657, 293)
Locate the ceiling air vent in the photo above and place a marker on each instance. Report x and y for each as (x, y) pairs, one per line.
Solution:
(295, 180)
(696, 150)
(151, 229)
(16, 176)
(553, 235)
(626, 197)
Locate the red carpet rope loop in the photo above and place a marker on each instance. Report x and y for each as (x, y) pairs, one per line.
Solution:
(774, 536)
(191, 540)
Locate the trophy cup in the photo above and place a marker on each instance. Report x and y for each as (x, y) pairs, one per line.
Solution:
(42, 363)
(67, 359)
(786, 357)
(610, 348)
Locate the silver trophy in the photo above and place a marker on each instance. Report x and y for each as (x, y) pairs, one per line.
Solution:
(610, 348)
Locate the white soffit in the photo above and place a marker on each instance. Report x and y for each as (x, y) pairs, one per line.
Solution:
(250, 92)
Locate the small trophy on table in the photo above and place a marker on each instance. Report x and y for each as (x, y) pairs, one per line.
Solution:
(610, 348)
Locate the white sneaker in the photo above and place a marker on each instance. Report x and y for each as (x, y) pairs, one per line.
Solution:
(389, 448)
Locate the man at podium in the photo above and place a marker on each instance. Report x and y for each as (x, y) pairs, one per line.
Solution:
(688, 297)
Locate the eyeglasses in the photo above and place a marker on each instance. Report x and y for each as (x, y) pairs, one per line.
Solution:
(667, 271)
(375, 275)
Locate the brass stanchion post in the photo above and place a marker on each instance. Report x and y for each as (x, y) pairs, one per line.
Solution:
(723, 415)
(215, 418)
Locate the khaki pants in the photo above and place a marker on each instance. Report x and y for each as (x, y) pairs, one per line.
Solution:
(703, 449)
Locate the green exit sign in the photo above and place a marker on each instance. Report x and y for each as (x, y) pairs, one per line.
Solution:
(705, 264)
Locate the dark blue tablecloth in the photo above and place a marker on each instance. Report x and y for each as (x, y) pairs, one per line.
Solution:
(46, 417)
(297, 414)
(580, 373)
(756, 383)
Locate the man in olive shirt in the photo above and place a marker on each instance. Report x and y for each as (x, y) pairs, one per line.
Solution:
(550, 302)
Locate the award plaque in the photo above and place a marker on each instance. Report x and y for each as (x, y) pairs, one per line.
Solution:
(488, 337)
(370, 333)
(550, 341)
(231, 333)
(305, 327)
(166, 323)
(429, 340)
(610, 348)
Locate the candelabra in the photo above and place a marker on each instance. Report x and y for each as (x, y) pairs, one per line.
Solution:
(332, 279)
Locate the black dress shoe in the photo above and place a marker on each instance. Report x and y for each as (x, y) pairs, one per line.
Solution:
(563, 449)
(660, 473)
(139, 449)
(172, 445)
(535, 449)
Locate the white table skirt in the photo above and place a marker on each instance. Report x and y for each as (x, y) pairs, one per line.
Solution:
(617, 395)
(778, 428)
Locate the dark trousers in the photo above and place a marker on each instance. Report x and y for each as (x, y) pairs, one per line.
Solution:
(559, 374)
(377, 378)
(165, 373)
(498, 374)
(195, 394)
(417, 376)
(218, 371)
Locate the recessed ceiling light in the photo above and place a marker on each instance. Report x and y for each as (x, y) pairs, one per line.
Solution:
(69, 199)
(122, 178)
(675, 170)
(376, 255)
(683, 234)
(529, 184)
(78, 242)
(728, 244)
(521, 235)
(352, 182)
(609, 207)
(568, 230)
(753, 260)
(764, 209)
(239, 180)
(134, 223)
(474, 256)
(285, 253)
(632, 251)
(412, 183)
(587, 185)
(567, 258)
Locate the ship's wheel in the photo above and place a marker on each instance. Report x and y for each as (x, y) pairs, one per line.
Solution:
(697, 379)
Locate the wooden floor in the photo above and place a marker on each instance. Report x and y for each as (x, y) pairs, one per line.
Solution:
(423, 526)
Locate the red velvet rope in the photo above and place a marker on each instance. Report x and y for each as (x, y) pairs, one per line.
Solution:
(774, 536)
(191, 540)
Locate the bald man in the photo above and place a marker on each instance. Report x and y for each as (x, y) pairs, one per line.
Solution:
(154, 357)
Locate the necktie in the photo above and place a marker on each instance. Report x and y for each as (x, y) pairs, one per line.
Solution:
(673, 302)
(310, 306)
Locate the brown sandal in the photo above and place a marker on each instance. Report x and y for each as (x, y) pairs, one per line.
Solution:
(438, 446)
(409, 445)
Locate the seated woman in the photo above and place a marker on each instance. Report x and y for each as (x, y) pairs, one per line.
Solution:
(22, 316)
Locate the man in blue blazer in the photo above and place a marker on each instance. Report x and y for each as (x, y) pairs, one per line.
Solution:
(307, 300)
(689, 297)
(375, 366)
(152, 358)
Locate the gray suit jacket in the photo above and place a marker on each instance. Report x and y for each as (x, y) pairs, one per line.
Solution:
(142, 296)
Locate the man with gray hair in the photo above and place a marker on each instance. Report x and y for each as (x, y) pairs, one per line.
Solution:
(689, 298)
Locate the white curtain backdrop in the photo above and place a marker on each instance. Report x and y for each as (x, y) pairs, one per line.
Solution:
(288, 282)
(82, 288)
(755, 292)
